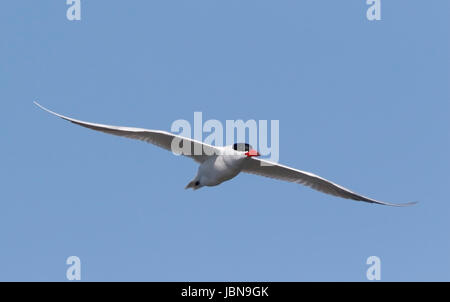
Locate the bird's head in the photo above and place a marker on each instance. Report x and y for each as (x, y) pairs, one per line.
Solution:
(245, 149)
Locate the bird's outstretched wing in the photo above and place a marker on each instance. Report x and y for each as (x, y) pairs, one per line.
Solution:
(196, 150)
(277, 171)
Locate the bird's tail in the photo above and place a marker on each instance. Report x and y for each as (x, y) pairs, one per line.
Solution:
(194, 184)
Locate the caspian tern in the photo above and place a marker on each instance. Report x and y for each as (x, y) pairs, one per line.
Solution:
(219, 164)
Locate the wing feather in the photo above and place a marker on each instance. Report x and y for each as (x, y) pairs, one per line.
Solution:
(273, 170)
(198, 151)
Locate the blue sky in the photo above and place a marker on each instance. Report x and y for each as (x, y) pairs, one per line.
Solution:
(365, 104)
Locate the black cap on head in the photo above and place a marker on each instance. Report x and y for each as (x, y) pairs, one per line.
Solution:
(242, 147)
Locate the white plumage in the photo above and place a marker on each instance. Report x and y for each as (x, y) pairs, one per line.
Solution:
(219, 164)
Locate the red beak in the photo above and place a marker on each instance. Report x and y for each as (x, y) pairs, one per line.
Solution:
(252, 153)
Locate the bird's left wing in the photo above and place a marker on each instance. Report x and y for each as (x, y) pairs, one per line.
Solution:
(277, 171)
(196, 150)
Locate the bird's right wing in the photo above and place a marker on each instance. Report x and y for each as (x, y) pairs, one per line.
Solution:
(274, 170)
(195, 149)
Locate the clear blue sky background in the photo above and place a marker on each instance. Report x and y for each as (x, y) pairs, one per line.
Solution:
(365, 104)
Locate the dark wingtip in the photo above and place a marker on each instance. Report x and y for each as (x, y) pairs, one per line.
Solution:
(407, 204)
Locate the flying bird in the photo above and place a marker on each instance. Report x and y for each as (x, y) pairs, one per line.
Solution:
(219, 164)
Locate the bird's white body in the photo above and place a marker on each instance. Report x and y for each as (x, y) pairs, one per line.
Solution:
(219, 164)
(217, 169)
